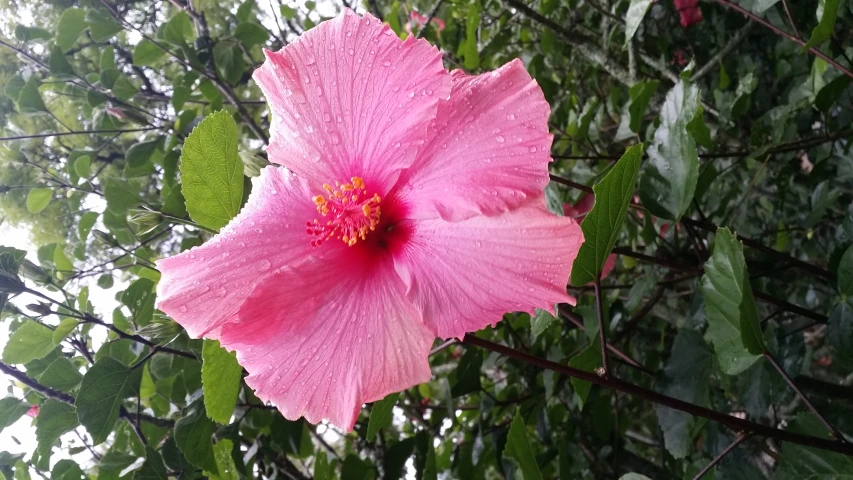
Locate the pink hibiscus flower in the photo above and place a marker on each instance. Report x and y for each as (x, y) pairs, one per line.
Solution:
(689, 12)
(422, 192)
(416, 18)
(577, 212)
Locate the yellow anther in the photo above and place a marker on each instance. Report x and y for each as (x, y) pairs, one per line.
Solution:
(366, 209)
(358, 182)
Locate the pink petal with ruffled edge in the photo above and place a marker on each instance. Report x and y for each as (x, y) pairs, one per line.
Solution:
(488, 149)
(466, 275)
(322, 339)
(202, 288)
(349, 98)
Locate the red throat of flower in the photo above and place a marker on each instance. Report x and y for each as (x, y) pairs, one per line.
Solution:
(350, 212)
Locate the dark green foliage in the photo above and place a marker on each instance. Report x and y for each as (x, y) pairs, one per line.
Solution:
(721, 163)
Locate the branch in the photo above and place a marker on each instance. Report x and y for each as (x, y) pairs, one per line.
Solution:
(68, 399)
(85, 132)
(730, 421)
(602, 335)
(814, 51)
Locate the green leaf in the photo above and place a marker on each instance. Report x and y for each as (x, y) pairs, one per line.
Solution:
(66, 326)
(396, 457)
(519, 449)
(799, 462)
(602, 225)
(634, 476)
(140, 153)
(103, 388)
(251, 33)
(685, 376)
(38, 199)
(823, 31)
(66, 469)
(123, 88)
(27, 34)
(139, 298)
(61, 374)
(211, 171)
(108, 58)
(62, 262)
(29, 98)
(468, 373)
(57, 62)
(71, 25)
(381, 415)
(11, 409)
(540, 322)
(355, 468)
(87, 221)
(220, 377)
(244, 11)
(640, 95)
(109, 76)
(588, 360)
(193, 434)
(153, 468)
(845, 273)
(322, 468)
(147, 53)
(179, 29)
(669, 179)
(839, 330)
(83, 168)
(636, 11)
(102, 26)
(54, 419)
(29, 342)
(229, 61)
(14, 86)
(289, 13)
(224, 461)
(733, 325)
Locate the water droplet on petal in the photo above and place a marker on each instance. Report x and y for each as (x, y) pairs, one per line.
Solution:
(387, 63)
(500, 139)
(510, 116)
(183, 308)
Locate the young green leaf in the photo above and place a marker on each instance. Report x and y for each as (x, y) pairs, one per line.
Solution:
(193, 434)
(602, 225)
(38, 199)
(104, 386)
(11, 409)
(211, 171)
(669, 179)
(153, 468)
(519, 449)
(799, 462)
(54, 419)
(733, 325)
(839, 331)
(636, 11)
(61, 374)
(220, 379)
(71, 25)
(139, 298)
(251, 34)
(823, 31)
(381, 415)
(147, 53)
(30, 341)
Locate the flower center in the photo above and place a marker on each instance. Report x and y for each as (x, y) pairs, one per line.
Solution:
(351, 213)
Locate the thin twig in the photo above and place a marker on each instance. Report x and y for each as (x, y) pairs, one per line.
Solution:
(791, 19)
(833, 432)
(605, 368)
(740, 438)
(730, 421)
(84, 132)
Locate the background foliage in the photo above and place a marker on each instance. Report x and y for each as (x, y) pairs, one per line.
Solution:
(742, 128)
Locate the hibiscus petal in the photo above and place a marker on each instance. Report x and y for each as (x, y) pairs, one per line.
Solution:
(466, 275)
(488, 150)
(349, 98)
(324, 338)
(203, 287)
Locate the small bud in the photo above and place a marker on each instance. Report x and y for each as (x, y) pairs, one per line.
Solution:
(600, 371)
(145, 220)
(105, 237)
(31, 271)
(40, 308)
(10, 284)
